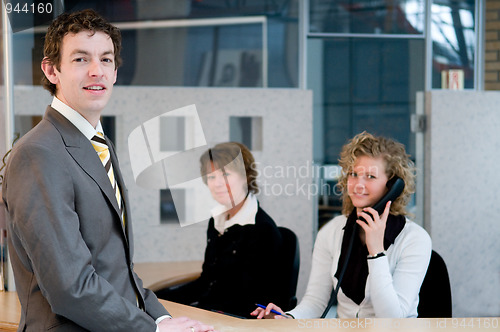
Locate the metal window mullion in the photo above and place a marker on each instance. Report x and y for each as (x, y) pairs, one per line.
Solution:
(363, 35)
(8, 79)
(303, 34)
(264, 54)
(480, 32)
(8, 103)
(428, 45)
(139, 25)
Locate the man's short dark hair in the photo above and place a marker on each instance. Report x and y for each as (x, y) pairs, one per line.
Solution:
(84, 20)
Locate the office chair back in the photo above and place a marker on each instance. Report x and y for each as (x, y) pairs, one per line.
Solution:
(291, 266)
(435, 292)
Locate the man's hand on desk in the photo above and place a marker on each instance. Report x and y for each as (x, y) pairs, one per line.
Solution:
(183, 324)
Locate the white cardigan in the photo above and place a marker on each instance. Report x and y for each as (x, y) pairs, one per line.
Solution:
(393, 281)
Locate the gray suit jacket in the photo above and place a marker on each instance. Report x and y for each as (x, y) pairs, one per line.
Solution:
(71, 257)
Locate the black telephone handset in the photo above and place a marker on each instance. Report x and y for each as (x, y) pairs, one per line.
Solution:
(396, 186)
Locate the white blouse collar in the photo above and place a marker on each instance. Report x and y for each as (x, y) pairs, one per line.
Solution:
(245, 216)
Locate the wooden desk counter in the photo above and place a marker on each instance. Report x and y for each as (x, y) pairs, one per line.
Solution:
(10, 313)
(224, 323)
(157, 275)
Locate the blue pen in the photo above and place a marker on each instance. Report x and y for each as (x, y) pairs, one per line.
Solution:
(272, 310)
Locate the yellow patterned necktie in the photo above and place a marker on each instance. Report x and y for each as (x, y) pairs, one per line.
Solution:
(99, 144)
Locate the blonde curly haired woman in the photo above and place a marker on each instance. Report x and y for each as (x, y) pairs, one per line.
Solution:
(390, 253)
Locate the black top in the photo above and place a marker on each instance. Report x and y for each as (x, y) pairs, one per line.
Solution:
(238, 271)
(354, 280)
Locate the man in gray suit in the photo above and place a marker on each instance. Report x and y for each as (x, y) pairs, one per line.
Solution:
(70, 234)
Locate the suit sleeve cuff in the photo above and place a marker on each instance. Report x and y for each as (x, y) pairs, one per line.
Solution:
(159, 319)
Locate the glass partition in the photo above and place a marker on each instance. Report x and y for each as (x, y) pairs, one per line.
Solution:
(187, 43)
(367, 16)
(375, 93)
(453, 40)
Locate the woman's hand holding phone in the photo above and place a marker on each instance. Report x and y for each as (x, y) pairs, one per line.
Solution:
(374, 228)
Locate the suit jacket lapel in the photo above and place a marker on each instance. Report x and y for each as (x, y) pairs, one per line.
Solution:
(82, 151)
(121, 184)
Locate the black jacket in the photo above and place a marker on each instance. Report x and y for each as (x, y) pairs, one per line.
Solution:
(238, 269)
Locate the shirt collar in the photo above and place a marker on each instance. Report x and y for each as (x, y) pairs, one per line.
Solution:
(245, 216)
(76, 119)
